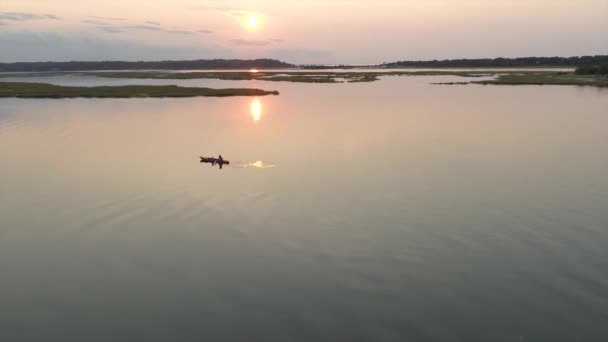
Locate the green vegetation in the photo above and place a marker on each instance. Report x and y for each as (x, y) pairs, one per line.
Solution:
(502, 77)
(239, 64)
(43, 90)
(365, 78)
(547, 78)
(502, 62)
(589, 77)
(284, 76)
(232, 76)
(592, 70)
(161, 65)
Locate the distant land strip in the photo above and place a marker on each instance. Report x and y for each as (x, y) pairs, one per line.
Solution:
(583, 76)
(204, 64)
(266, 63)
(44, 90)
(503, 62)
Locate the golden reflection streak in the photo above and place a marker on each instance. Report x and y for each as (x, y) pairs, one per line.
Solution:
(260, 165)
(256, 109)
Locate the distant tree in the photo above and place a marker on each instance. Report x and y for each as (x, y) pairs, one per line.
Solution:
(160, 65)
(504, 62)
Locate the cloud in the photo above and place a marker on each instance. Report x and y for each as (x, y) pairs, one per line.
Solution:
(147, 26)
(94, 22)
(208, 8)
(45, 46)
(144, 27)
(249, 42)
(226, 10)
(235, 14)
(179, 32)
(152, 26)
(241, 14)
(277, 40)
(205, 31)
(20, 16)
(110, 29)
(105, 18)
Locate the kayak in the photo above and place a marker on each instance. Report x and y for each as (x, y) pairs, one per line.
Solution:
(213, 160)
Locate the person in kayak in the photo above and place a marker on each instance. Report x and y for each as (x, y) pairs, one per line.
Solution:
(220, 159)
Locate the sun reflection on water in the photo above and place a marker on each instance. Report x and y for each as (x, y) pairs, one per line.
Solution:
(258, 165)
(256, 109)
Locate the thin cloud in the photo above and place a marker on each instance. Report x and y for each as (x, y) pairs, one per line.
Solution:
(105, 18)
(205, 31)
(37, 46)
(154, 28)
(207, 8)
(179, 32)
(153, 23)
(144, 27)
(21, 16)
(110, 29)
(248, 42)
(230, 11)
(94, 22)
(237, 14)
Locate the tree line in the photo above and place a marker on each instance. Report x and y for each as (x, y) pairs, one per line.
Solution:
(504, 62)
(160, 65)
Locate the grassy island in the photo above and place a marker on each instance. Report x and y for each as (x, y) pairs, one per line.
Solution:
(283, 76)
(547, 78)
(503, 77)
(44, 90)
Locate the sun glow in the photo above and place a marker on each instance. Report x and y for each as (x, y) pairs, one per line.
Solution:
(254, 70)
(256, 109)
(253, 21)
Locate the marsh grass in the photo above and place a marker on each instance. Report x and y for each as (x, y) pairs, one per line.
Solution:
(44, 90)
(286, 76)
(502, 77)
(548, 79)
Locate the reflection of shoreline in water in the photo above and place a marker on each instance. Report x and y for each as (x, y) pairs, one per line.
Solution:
(258, 165)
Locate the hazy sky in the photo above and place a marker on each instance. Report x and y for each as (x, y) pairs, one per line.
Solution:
(300, 31)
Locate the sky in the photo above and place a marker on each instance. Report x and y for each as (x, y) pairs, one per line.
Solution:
(300, 31)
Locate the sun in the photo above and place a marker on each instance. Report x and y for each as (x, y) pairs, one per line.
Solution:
(253, 21)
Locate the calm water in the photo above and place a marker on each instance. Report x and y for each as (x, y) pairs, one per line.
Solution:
(393, 211)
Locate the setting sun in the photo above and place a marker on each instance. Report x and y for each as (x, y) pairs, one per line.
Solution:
(253, 21)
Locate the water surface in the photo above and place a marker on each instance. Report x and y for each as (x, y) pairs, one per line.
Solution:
(396, 210)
